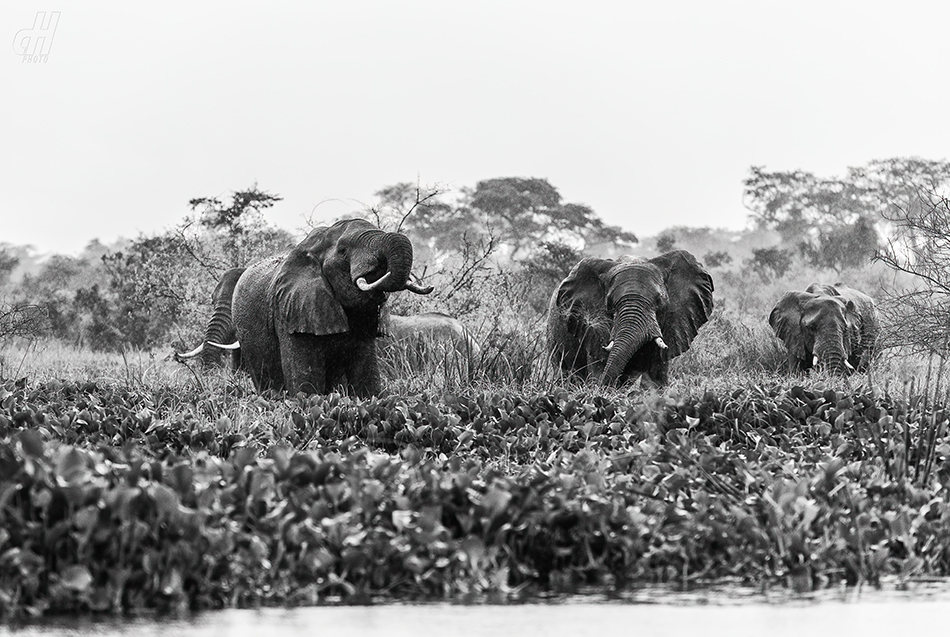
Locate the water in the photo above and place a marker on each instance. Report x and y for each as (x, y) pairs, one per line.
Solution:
(655, 613)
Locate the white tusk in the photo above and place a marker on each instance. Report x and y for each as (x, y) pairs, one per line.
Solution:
(814, 361)
(418, 289)
(234, 345)
(609, 346)
(849, 365)
(660, 342)
(368, 287)
(190, 354)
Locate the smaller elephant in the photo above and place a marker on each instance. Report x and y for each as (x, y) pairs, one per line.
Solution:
(220, 335)
(614, 320)
(829, 326)
(432, 337)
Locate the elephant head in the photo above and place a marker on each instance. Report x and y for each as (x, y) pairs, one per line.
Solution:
(827, 326)
(618, 319)
(336, 279)
(308, 320)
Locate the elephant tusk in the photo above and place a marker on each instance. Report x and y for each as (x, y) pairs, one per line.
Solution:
(609, 346)
(234, 345)
(849, 365)
(191, 354)
(362, 284)
(418, 289)
(814, 361)
(660, 342)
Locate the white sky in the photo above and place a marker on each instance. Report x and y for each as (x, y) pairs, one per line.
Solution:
(651, 114)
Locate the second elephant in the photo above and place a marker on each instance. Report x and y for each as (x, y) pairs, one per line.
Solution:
(831, 326)
(220, 328)
(614, 320)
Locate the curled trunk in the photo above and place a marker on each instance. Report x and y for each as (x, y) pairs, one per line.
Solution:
(392, 252)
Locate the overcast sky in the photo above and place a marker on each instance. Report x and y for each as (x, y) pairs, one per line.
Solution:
(651, 114)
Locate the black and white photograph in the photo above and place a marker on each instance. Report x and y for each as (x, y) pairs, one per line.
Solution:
(425, 318)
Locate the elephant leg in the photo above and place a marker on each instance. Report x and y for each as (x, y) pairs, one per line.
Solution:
(304, 363)
(362, 368)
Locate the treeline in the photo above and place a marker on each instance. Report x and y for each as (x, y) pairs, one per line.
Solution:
(495, 251)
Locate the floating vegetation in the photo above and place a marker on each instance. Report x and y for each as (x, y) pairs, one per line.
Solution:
(118, 500)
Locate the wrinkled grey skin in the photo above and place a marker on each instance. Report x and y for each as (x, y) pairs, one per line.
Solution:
(628, 304)
(220, 328)
(302, 321)
(835, 324)
(432, 337)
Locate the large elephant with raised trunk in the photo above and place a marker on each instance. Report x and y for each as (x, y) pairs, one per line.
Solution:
(220, 328)
(830, 326)
(307, 321)
(614, 320)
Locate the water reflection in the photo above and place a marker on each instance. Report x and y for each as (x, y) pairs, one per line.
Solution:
(731, 611)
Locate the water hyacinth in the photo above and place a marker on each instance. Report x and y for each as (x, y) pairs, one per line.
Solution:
(116, 500)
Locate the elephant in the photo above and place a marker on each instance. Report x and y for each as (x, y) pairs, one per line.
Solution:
(615, 320)
(219, 333)
(307, 321)
(432, 337)
(831, 326)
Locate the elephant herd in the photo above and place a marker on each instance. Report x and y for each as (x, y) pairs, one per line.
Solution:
(307, 321)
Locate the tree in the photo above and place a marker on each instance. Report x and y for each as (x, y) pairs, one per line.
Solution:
(919, 317)
(528, 211)
(520, 213)
(665, 242)
(238, 221)
(839, 222)
(8, 263)
(715, 259)
(770, 263)
(545, 269)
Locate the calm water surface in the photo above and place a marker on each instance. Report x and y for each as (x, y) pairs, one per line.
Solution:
(732, 612)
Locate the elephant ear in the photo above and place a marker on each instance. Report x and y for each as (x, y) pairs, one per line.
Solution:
(583, 293)
(690, 291)
(786, 321)
(305, 301)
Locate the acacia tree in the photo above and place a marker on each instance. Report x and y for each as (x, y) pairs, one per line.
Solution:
(239, 222)
(520, 213)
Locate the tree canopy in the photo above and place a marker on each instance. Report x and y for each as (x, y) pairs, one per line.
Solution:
(840, 222)
(517, 212)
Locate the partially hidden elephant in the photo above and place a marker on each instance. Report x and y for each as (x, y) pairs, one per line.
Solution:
(432, 337)
(615, 320)
(219, 333)
(307, 321)
(830, 326)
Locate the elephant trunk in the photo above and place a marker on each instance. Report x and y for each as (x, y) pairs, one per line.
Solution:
(830, 353)
(220, 330)
(635, 326)
(392, 252)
